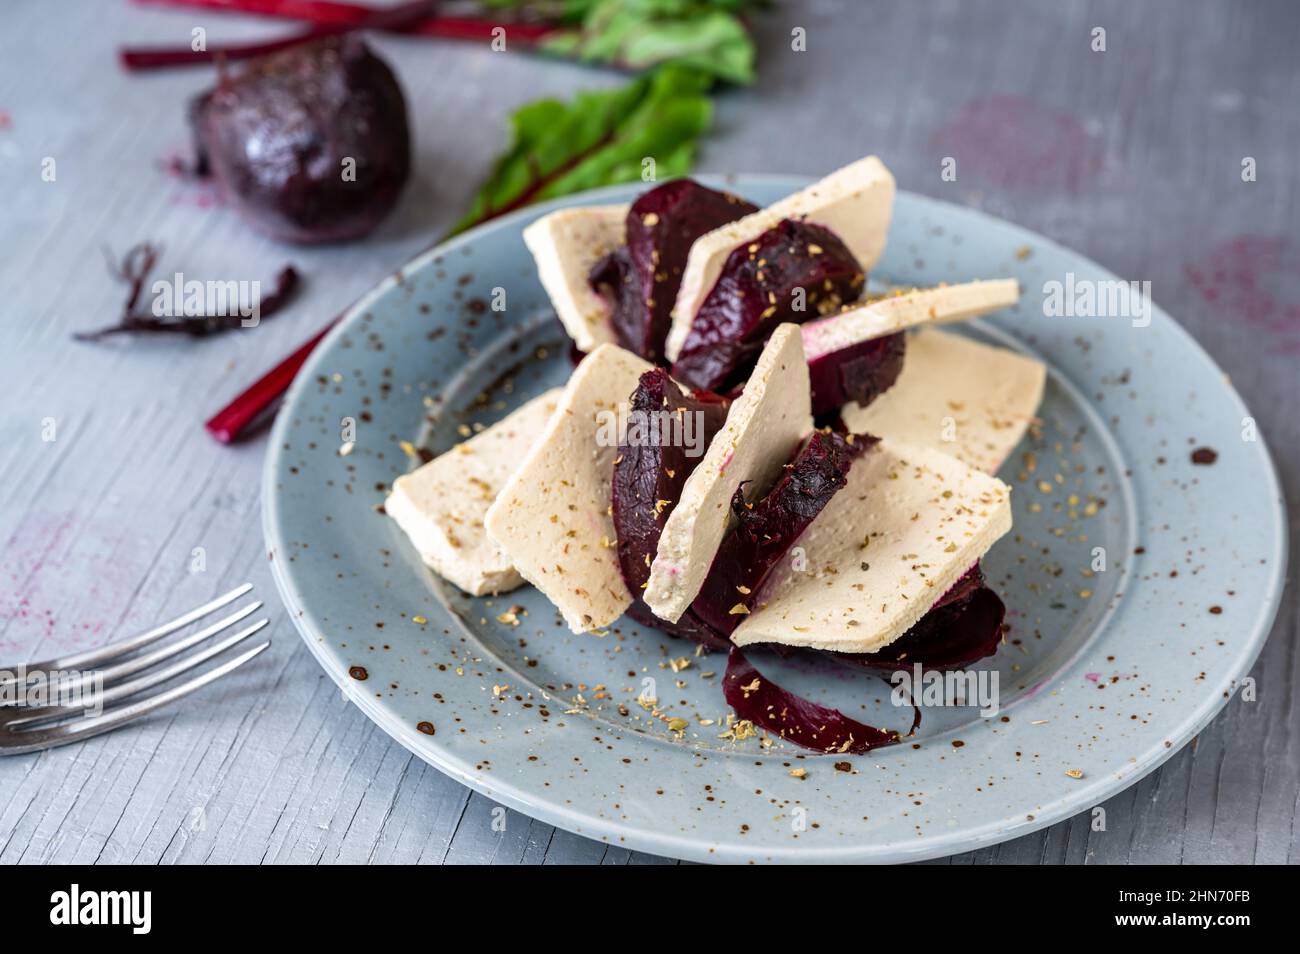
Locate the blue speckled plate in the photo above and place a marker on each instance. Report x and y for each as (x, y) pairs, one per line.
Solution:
(1102, 678)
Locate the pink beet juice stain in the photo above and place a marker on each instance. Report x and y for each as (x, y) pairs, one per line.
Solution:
(1256, 279)
(1017, 143)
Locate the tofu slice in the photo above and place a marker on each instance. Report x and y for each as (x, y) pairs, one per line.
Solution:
(552, 517)
(440, 506)
(899, 312)
(763, 429)
(909, 522)
(967, 399)
(565, 245)
(854, 202)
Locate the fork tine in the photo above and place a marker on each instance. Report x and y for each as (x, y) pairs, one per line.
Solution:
(92, 656)
(28, 717)
(111, 719)
(131, 666)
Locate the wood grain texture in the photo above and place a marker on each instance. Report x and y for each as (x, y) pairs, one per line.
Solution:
(1132, 156)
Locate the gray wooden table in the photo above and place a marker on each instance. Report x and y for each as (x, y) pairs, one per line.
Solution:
(1132, 155)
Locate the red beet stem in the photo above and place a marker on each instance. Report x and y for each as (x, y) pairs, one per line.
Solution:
(313, 11)
(327, 18)
(245, 412)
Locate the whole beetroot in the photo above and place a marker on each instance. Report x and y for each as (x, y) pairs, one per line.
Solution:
(311, 144)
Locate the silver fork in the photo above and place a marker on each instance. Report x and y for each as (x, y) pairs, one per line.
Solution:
(25, 728)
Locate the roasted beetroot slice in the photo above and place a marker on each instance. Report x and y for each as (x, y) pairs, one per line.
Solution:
(766, 530)
(310, 144)
(781, 712)
(653, 463)
(860, 372)
(764, 283)
(640, 280)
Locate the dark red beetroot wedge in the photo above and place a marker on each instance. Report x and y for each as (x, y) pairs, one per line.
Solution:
(652, 466)
(795, 271)
(795, 719)
(640, 280)
(861, 372)
(311, 144)
(765, 531)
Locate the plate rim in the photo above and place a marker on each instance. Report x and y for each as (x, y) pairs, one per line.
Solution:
(657, 841)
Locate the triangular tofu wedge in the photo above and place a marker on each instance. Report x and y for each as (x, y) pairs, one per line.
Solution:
(967, 399)
(764, 427)
(854, 202)
(565, 245)
(909, 522)
(898, 312)
(441, 505)
(552, 517)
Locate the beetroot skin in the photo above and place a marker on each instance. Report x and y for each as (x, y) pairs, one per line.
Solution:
(767, 529)
(282, 136)
(758, 290)
(640, 279)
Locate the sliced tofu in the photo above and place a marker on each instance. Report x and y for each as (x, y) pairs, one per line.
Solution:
(967, 399)
(763, 429)
(854, 202)
(552, 517)
(909, 522)
(899, 312)
(440, 506)
(565, 245)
